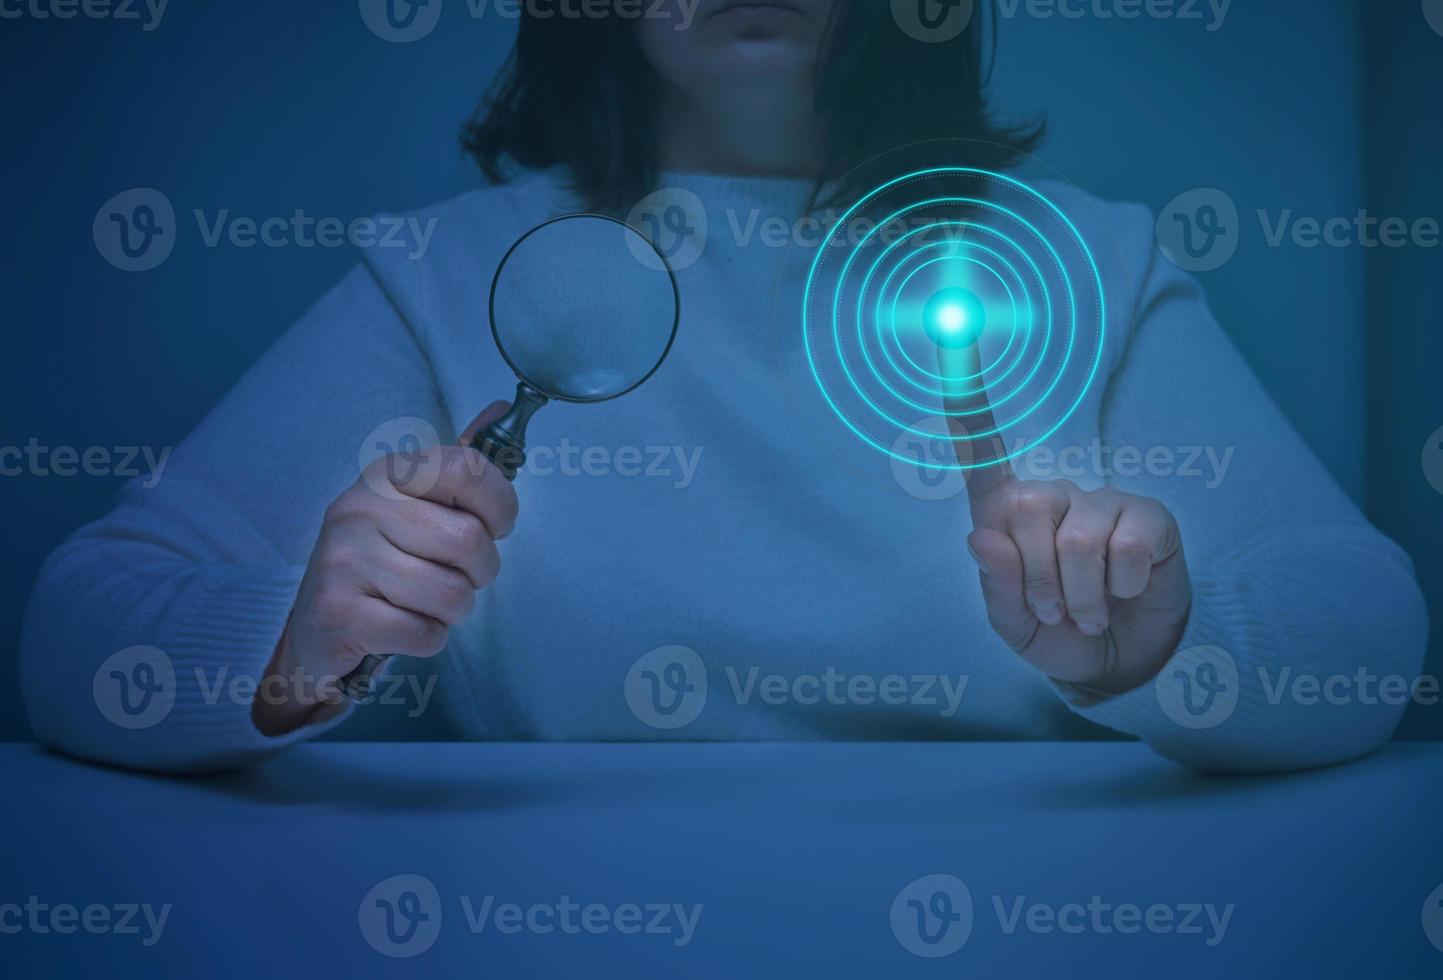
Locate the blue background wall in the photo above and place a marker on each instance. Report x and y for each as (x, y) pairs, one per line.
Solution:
(1404, 146)
(267, 107)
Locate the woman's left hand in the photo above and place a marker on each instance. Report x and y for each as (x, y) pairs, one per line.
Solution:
(1090, 587)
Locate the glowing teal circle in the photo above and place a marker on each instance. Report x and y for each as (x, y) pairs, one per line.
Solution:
(996, 380)
(992, 401)
(990, 370)
(954, 318)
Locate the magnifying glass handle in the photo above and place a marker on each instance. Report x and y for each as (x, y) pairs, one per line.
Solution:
(503, 442)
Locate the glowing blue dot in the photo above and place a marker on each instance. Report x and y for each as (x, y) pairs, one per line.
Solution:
(954, 318)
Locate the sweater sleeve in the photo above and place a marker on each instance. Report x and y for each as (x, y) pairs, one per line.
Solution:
(1307, 627)
(148, 630)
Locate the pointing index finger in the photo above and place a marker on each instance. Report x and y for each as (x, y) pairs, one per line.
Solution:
(969, 414)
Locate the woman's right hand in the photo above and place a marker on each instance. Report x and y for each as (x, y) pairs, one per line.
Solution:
(400, 557)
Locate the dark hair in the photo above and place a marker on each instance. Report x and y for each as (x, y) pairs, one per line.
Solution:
(575, 93)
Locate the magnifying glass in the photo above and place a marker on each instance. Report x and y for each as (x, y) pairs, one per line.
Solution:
(584, 308)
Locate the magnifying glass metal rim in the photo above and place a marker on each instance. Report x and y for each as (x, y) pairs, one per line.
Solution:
(675, 305)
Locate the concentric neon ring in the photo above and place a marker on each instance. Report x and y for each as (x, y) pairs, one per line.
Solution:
(1059, 368)
(897, 296)
(985, 370)
(994, 402)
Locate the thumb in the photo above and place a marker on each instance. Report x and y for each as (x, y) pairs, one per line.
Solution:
(488, 415)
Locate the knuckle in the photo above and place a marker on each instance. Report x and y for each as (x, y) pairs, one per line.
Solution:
(469, 535)
(490, 569)
(479, 465)
(344, 508)
(507, 504)
(338, 658)
(429, 638)
(1160, 514)
(327, 609)
(1129, 548)
(497, 490)
(1080, 543)
(334, 563)
(375, 471)
(1151, 509)
(318, 618)
(1033, 499)
(330, 595)
(457, 466)
(456, 596)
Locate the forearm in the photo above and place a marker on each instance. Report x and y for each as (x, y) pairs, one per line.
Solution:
(1296, 655)
(1288, 579)
(135, 656)
(205, 565)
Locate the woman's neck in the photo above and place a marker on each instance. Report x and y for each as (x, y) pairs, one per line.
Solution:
(743, 136)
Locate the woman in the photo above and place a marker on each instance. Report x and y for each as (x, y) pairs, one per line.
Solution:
(787, 566)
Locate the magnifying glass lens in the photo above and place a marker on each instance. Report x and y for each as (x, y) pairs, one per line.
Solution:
(583, 309)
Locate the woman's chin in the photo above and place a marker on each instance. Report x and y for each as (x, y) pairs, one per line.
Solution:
(746, 62)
